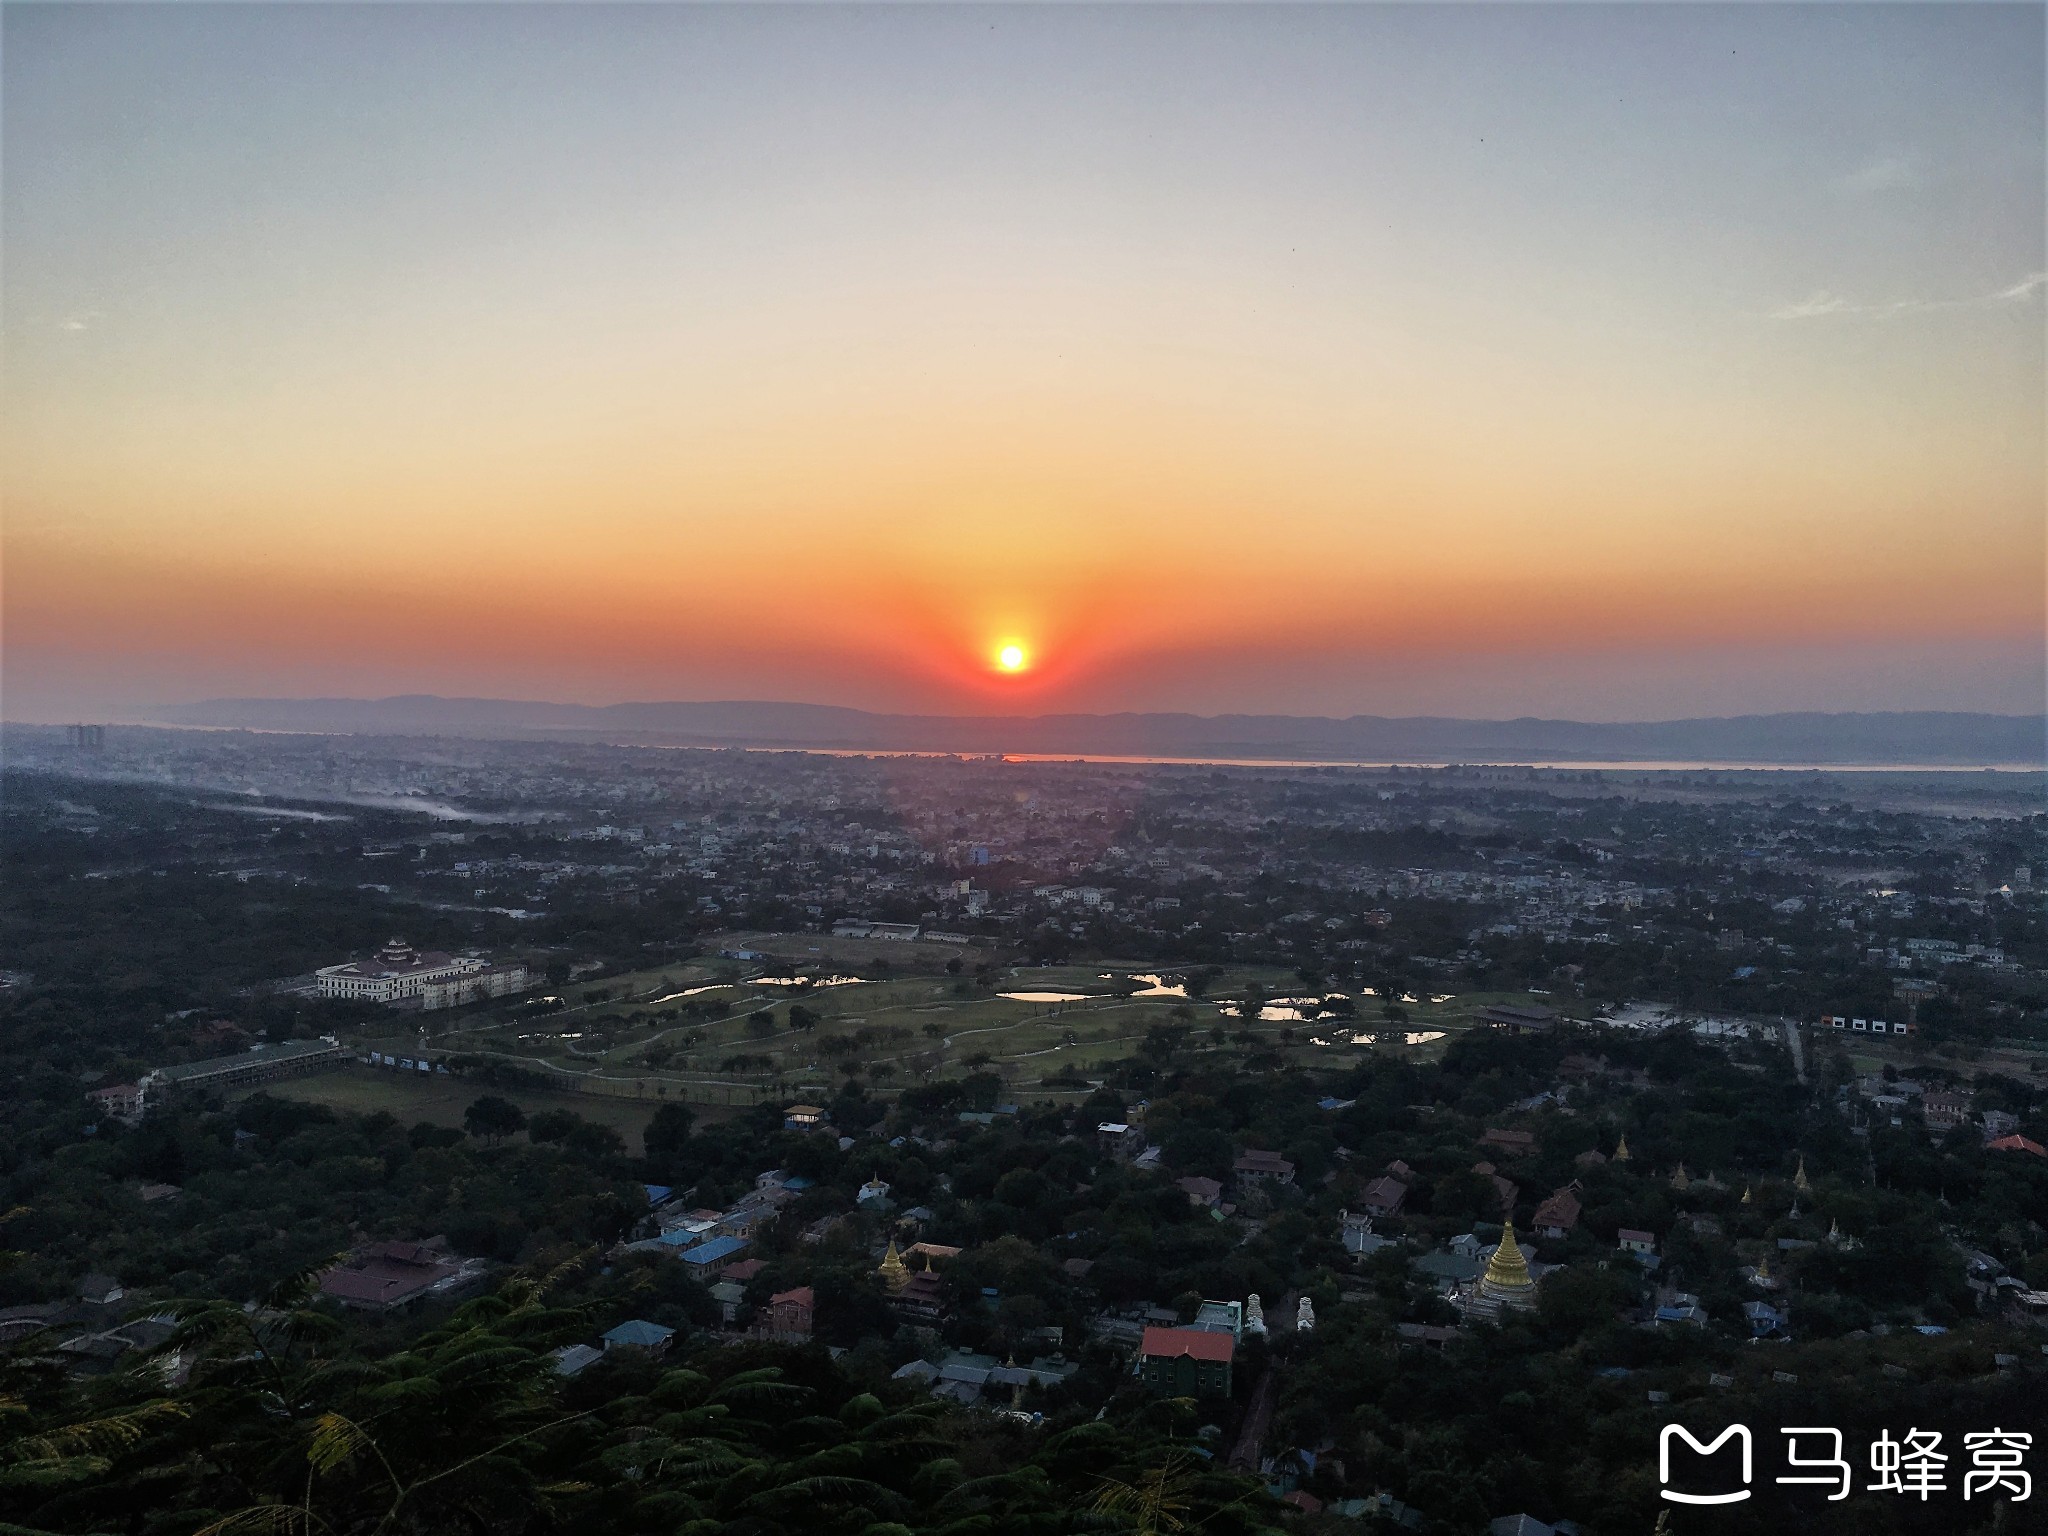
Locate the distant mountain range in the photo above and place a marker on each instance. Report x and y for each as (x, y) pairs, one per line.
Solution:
(1947, 739)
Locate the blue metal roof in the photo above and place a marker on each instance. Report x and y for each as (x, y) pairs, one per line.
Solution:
(711, 1252)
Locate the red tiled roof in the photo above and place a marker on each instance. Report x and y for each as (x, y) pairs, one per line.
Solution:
(386, 1273)
(800, 1297)
(1195, 1343)
(1385, 1194)
(384, 1284)
(2018, 1144)
(1560, 1210)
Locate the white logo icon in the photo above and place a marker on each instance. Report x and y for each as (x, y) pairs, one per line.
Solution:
(1732, 1432)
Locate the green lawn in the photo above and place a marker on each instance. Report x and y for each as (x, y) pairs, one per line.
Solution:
(920, 1021)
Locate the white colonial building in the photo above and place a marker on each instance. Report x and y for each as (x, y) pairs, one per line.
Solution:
(400, 976)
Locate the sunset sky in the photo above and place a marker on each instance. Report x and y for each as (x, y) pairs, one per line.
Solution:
(1608, 361)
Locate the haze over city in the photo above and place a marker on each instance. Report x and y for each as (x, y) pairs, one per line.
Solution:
(920, 769)
(1608, 362)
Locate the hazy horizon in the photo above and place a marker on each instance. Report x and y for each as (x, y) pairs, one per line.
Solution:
(1621, 362)
(172, 712)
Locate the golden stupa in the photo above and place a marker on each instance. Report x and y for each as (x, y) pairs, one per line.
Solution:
(1507, 1272)
(1680, 1180)
(1746, 1200)
(894, 1272)
(1799, 1179)
(1621, 1153)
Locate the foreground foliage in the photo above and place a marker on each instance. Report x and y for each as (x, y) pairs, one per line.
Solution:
(470, 1430)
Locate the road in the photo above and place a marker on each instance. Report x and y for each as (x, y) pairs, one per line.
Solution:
(1795, 1042)
(1244, 1456)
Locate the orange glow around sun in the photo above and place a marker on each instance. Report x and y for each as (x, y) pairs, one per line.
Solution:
(1011, 657)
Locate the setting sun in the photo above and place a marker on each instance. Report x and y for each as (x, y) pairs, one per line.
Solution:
(1011, 658)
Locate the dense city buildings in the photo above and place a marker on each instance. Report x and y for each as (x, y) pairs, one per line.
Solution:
(1280, 1115)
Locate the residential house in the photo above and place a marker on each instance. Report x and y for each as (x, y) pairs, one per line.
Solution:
(962, 1375)
(1505, 1188)
(121, 1101)
(1448, 1269)
(708, 1260)
(1043, 1371)
(1945, 1110)
(1186, 1362)
(1119, 1139)
(1515, 1021)
(1359, 1239)
(575, 1359)
(1384, 1195)
(1557, 1216)
(787, 1319)
(728, 1293)
(1220, 1317)
(1763, 1318)
(639, 1334)
(384, 1276)
(1255, 1168)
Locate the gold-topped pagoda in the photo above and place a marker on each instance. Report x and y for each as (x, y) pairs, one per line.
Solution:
(1506, 1286)
(1799, 1180)
(1621, 1152)
(1507, 1278)
(894, 1272)
(1681, 1179)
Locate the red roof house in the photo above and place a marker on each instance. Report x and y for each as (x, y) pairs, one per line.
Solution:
(2017, 1144)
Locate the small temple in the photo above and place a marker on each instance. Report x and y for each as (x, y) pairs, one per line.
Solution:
(1506, 1285)
(1621, 1152)
(894, 1272)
